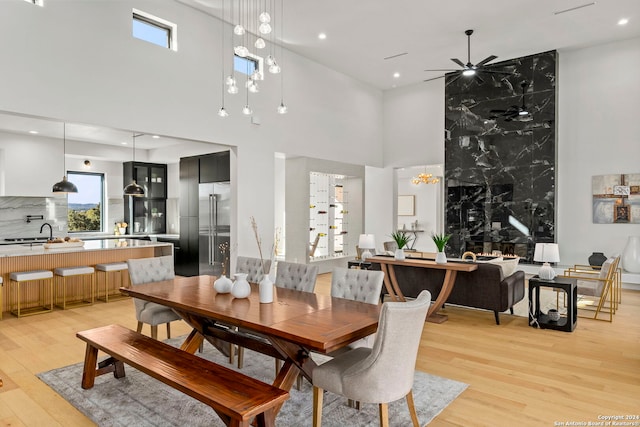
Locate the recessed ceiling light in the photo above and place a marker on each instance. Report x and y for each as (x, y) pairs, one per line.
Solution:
(396, 75)
(322, 36)
(623, 21)
(35, 132)
(155, 137)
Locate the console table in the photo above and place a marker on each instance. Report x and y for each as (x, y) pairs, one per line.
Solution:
(539, 319)
(391, 283)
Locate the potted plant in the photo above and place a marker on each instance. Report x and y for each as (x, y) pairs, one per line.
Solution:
(441, 241)
(402, 239)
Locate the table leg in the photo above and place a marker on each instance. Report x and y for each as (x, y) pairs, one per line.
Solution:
(447, 286)
(391, 283)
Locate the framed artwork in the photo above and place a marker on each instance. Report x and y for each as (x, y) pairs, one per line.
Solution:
(616, 199)
(406, 205)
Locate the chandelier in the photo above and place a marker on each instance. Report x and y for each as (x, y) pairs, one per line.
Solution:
(253, 24)
(425, 178)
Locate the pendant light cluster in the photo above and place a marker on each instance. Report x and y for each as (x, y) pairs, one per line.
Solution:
(64, 186)
(134, 189)
(425, 178)
(252, 23)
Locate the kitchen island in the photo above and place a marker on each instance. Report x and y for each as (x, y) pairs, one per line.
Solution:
(40, 256)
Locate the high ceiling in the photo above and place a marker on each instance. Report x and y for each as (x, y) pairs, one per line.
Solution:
(361, 33)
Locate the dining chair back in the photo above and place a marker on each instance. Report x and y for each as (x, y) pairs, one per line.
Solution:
(357, 285)
(147, 270)
(253, 267)
(381, 374)
(301, 277)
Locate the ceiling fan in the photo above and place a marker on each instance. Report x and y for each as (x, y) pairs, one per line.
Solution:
(514, 112)
(469, 69)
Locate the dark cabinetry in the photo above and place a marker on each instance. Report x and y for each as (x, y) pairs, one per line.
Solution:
(195, 170)
(214, 167)
(146, 215)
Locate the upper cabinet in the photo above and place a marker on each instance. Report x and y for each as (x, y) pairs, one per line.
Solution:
(146, 215)
(215, 167)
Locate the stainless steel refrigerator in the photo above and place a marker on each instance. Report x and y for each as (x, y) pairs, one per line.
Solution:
(214, 220)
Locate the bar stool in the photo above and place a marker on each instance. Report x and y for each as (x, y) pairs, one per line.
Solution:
(105, 270)
(84, 297)
(45, 293)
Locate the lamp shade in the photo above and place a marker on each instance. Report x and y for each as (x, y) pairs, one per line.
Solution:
(546, 252)
(367, 241)
(133, 189)
(64, 186)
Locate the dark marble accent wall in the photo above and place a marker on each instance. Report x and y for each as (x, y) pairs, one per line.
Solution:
(500, 172)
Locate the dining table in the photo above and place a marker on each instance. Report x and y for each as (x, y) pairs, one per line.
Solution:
(295, 324)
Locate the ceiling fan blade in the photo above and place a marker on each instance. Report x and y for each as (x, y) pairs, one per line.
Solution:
(447, 70)
(497, 111)
(454, 79)
(485, 60)
(484, 70)
(480, 79)
(460, 63)
(434, 78)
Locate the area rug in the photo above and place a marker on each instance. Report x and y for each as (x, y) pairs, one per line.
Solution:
(139, 400)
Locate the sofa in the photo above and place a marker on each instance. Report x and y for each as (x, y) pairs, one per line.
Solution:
(485, 288)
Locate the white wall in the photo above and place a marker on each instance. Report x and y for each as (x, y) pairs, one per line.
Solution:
(598, 134)
(77, 62)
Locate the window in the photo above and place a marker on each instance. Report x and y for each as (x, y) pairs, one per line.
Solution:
(84, 210)
(248, 64)
(154, 30)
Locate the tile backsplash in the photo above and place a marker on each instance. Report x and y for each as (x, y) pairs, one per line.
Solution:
(14, 211)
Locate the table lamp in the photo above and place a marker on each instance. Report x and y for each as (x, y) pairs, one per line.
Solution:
(546, 253)
(366, 242)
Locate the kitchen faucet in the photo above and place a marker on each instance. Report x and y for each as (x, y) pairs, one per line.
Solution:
(50, 230)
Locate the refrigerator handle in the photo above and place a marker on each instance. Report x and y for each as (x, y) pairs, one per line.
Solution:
(211, 225)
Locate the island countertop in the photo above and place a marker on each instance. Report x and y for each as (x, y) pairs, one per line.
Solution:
(26, 249)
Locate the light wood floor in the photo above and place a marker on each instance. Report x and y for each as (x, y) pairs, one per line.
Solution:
(517, 375)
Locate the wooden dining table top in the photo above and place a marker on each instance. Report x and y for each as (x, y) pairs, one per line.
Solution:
(320, 323)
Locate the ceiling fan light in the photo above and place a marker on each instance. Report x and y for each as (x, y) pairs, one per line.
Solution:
(523, 113)
(469, 72)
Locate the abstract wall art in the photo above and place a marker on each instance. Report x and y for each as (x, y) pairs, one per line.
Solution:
(616, 199)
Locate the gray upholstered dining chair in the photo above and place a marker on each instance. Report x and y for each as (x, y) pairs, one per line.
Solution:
(381, 374)
(253, 267)
(146, 270)
(357, 285)
(301, 277)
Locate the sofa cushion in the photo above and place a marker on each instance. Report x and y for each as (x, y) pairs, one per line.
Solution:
(508, 265)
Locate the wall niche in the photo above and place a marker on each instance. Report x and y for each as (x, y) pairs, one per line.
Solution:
(500, 163)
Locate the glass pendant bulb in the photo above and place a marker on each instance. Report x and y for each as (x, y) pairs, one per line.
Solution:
(282, 109)
(233, 89)
(230, 80)
(274, 69)
(253, 87)
(259, 44)
(264, 28)
(264, 17)
(241, 51)
(247, 110)
(222, 112)
(238, 30)
(256, 75)
(270, 60)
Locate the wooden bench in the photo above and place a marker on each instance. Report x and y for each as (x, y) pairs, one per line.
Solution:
(235, 397)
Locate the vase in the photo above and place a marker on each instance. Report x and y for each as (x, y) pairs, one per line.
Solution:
(399, 254)
(597, 259)
(441, 258)
(631, 255)
(241, 288)
(122, 230)
(266, 289)
(223, 285)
